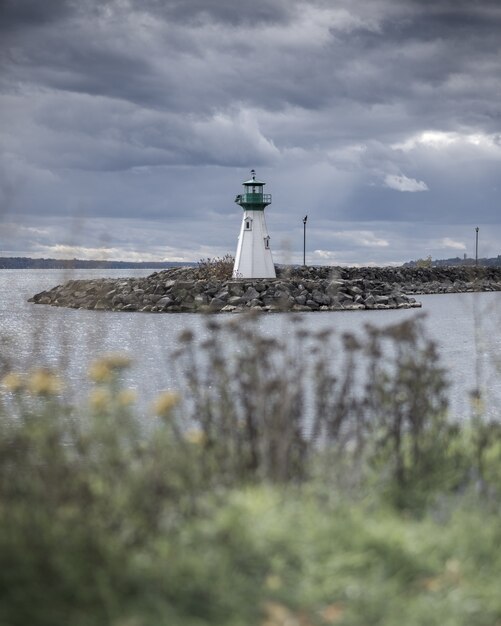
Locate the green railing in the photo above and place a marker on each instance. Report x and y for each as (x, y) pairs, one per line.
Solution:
(254, 198)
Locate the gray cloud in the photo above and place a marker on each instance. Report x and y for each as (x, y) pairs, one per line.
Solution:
(153, 111)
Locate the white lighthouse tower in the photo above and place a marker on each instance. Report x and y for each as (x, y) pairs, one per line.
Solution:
(253, 258)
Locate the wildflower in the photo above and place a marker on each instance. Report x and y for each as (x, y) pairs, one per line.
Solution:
(12, 382)
(43, 382)
(195, 436)
(100, 399)
(126, 397)
(333, 613)
(273, 582)
(99, 372)
(104, 369)
(165, 402)
(278, 615)
(117, 361)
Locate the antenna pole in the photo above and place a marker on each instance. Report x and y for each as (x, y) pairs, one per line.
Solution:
(305, 219)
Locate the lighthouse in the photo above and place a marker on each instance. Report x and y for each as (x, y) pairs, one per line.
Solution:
(253, 258)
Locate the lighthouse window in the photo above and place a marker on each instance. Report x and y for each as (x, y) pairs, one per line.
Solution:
(248, 225)
(267, 243)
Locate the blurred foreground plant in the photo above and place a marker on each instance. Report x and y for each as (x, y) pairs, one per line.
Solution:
(230, 507)
(376, 401)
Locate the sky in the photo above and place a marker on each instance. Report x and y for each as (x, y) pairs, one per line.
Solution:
(128, 126)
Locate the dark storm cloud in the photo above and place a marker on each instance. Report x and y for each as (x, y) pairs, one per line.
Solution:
(22, 14)
(222, 11)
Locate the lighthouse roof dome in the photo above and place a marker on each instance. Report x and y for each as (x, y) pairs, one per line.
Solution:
(253, 182)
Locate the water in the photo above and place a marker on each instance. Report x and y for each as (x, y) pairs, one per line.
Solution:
(465, 326)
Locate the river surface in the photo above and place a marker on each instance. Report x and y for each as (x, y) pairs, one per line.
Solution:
(466, 328)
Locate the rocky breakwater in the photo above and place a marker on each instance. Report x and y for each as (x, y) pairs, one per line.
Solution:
(414, 280)
(182, 290)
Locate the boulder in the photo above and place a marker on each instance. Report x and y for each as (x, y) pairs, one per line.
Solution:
(164, 302)
(251, 293)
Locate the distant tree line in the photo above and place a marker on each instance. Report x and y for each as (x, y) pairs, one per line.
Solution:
(428, 262)
(27, 263)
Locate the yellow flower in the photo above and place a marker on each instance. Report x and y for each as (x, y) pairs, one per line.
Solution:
(126, 397)
(165, 402)
(333, 613)
(43, 382)
(100, 399)
(278, 615)
(195, 436)
(103, 370)
(273, 582)
(117, 361)
(13, 382)
(99, 372)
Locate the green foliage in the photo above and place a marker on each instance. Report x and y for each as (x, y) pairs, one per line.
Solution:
(227, 509)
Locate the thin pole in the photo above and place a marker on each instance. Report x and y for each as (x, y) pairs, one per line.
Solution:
(304, 239)
(476, 245)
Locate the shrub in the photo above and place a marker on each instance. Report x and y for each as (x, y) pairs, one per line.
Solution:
(424, 263)
(216, 268)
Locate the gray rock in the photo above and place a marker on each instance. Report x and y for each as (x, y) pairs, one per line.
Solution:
(184, 284)
(164, 302)
(355, 290)
(216, 304)
(311, 304)
(235, 288)
(256, 302)
(335, 286)
(179, 294)
(222, 295)
(251, 293)
(344, 297)
(317, 296)
(201, 299)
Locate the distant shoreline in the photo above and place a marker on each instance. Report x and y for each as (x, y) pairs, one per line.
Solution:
(21, 263)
